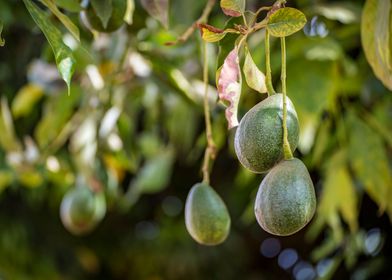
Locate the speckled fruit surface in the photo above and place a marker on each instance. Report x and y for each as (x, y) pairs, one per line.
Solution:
(258, 140)
(206, 217)
(286, 200)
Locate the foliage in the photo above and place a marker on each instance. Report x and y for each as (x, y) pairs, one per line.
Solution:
(133, 121)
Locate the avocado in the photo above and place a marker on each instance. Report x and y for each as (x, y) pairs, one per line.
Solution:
(206, 217)
(286, 199)
(258, 140)
(82, 209)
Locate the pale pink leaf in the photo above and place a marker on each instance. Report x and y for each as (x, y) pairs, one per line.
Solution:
(229, 86)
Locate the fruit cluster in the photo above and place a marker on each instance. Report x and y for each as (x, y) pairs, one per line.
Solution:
(265, 137)
(286, 200)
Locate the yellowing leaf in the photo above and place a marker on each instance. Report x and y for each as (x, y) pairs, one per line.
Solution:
(338, 195)
(285, 22)
(348, 203)
(368, 158)
(72, 28)
(229, 86)
(253, 76)
(25, 100)
(63, 54)
(233, 8)
(212, 34)
(376, 38)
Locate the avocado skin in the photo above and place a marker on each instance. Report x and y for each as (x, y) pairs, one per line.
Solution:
(258, 141)
(206, 217)
(82, 209)
(116, 20)
(286, 200)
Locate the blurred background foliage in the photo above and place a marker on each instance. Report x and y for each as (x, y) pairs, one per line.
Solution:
(134, 122)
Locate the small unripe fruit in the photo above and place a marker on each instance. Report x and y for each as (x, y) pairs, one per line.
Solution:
(206, 217)
(82, 209)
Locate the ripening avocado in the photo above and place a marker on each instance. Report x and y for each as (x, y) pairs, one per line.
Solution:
(116, 19)
(286, 200)
(82, 209)
(258, 140)
(206, 217)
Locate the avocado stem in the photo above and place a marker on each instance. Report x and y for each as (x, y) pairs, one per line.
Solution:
(286, 145)
(210, 151)
(268, 78)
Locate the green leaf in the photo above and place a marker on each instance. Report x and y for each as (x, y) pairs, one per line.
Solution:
(380, 125)
(103, 9)
(322, 142)
(326, 248)
(376, 38)
(181, 124)
(155, 173)
(72, 28)
(338, 196)
(225, 47)
(25, 100)
(311, 86)
(229, 41)
(63, 54)
(70, 5)
(311, 83)
(2, 41)
(233, 8)
(253, 76)
(158, 9)
(57, 112)
(368, 158)
(8, 139)
(285, 22)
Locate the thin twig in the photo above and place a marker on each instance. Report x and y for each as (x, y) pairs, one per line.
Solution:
(210, 151)
(262, 9)
(203, 18)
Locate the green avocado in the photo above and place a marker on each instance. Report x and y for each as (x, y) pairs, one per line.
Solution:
(286, 200)
(206, 217)
(82, 209)
(119, 8)
(258, 140)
